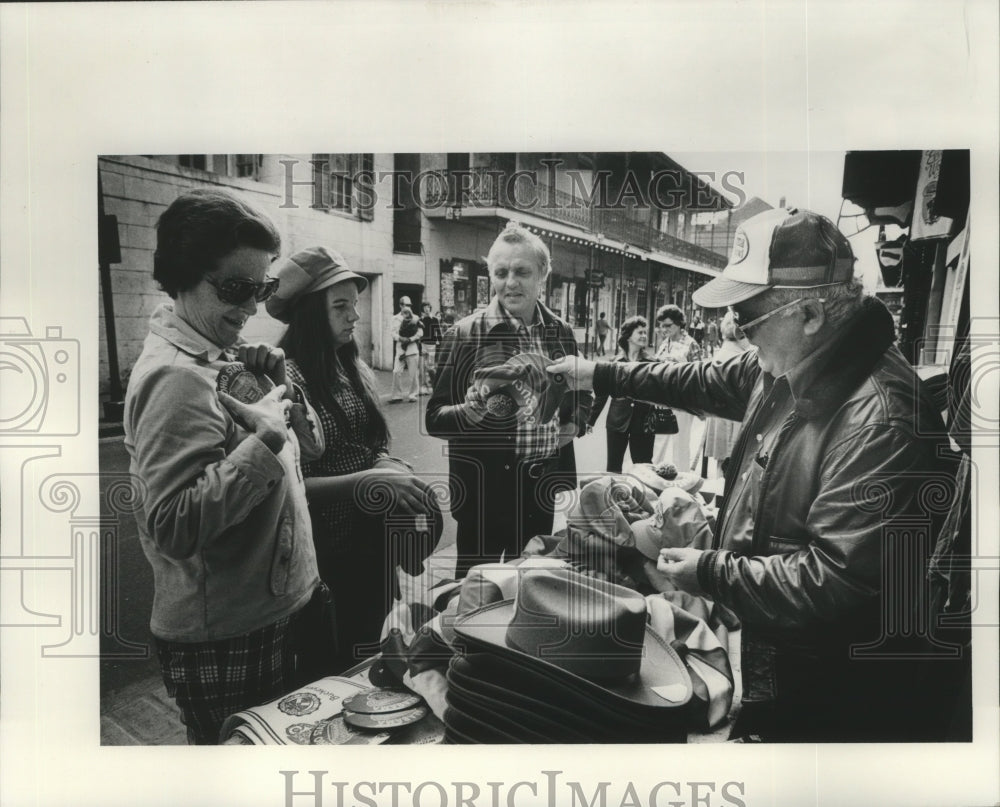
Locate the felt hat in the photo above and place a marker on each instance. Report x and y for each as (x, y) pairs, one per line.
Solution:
(304, 272)
(507, 693)
(659, 478)
(521, 385)
(677, 521)
(587, 635)
(783, 248)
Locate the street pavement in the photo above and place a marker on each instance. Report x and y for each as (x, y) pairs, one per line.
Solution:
(134, 706)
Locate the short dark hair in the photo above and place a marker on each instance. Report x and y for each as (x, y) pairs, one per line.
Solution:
(628, 328)
(198, 229)
(671, 312)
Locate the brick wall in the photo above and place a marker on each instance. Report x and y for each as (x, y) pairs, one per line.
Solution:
(138, 189)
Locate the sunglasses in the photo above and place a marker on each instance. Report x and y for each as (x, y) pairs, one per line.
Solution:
(237, 290)
(746, 327)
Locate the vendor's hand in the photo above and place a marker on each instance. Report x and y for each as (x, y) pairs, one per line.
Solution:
(578, 373)
(404, 493)
(266, 418)
(681, 567)
(267, 360)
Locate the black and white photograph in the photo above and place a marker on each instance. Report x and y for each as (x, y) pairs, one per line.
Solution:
(598, 429)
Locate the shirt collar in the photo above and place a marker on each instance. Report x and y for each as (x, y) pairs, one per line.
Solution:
(537, 318)
(167, 325)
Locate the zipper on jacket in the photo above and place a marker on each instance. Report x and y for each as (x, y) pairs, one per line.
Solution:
(756, 542)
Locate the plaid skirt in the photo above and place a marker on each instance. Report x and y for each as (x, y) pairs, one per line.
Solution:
(211, 680)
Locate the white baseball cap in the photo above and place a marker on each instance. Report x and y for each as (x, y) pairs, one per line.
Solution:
(783, 248)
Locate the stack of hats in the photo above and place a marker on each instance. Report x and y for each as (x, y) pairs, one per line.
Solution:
(571, 659)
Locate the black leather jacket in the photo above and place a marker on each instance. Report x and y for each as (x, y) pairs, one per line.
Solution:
(624, 413)
(857, 467)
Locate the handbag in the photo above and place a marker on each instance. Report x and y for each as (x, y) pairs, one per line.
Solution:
(662, 420)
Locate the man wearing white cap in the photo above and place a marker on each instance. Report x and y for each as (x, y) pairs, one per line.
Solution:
(406, 334)
(839, 444)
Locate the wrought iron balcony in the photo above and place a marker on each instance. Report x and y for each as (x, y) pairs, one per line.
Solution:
(482, 187)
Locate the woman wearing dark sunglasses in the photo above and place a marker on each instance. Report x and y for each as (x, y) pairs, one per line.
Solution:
(356, 483)
(225, 524)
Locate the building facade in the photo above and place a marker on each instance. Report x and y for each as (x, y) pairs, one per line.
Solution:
(620, 227)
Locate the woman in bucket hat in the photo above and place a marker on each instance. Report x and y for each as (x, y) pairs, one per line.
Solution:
(356, 483)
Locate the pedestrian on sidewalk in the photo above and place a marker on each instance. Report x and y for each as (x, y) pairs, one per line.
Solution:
(431, 326)
(627, 424)
(225, 524)
(406, 335)
(601, 328)
(721, 433)
(677, 346)
(356, 485)
(712, 337)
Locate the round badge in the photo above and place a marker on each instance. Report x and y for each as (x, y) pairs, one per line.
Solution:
(500, 404)
(741, 246)
(380, 701)
(389, 720)
(236, 380)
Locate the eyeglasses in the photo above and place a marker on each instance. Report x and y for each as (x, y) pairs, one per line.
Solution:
(755, 322)
(237, 290)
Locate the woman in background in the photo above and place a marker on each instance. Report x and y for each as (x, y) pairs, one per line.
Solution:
(720, 434)
(677, 345)
(355, 483)
(628, 420)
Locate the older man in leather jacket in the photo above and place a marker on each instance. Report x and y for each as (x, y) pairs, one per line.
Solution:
(827, 519)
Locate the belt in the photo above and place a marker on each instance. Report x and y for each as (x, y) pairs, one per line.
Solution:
(533, 468)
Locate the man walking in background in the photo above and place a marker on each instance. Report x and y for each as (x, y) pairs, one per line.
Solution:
(601, 328)
(406, 334)
(428, 347)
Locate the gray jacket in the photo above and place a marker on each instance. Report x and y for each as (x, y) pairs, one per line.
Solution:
(225, 523)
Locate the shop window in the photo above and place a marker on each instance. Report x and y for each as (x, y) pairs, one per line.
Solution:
(198, 161)
(336, 178)
(642, 296)
(247, 165)
(406, 219)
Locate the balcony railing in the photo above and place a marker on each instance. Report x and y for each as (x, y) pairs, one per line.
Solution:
(482, 187)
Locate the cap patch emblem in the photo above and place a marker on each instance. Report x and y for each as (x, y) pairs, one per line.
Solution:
(741, 247)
